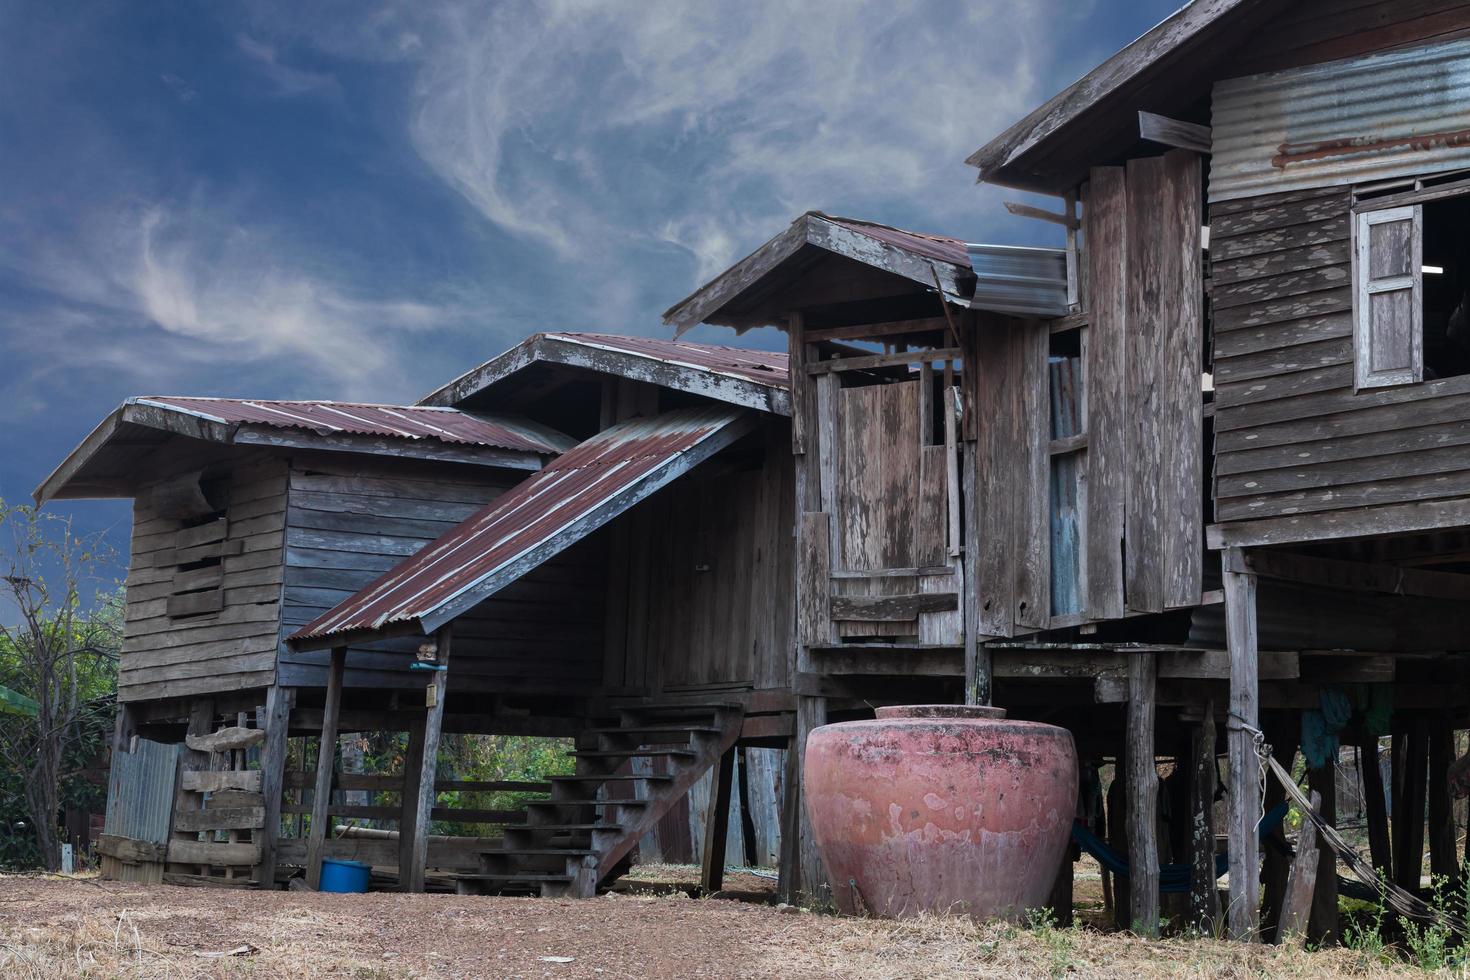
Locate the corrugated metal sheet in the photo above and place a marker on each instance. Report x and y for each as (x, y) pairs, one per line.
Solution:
(140, 800)
(447, 425)
(762, 367)
(1360, 120)
(548, 512)
(1017, 279)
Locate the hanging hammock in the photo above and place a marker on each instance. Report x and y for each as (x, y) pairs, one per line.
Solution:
(1173, 878)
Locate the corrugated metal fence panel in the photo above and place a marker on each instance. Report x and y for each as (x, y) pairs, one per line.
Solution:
(1359, 120)
(140, 801)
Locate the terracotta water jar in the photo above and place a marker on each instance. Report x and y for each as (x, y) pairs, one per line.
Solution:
(941, 808)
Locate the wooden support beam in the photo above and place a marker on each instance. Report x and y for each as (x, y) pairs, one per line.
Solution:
(803, 878)
(1143, 798)
(326, 756)
(978, 664)
(878, 331)
(413, 764)
(1301, 881)
(1204, 893)
(1323, 926)
(1443, 861)
(434, 693)
(1408, 806)
(1174, 132)
(1283, 728)
(874, 361)
(273, 771)
(1357, 576)
(717, 823)
(1375, 805)
(1245, 788)
(1068, 221)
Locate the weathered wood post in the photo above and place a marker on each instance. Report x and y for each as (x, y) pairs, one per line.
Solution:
(325, 757)
(1204, 895)
(717, 823)
(1301, 880)
(1408, 807)
(1244, 721)
(413, 764)
(1443, 861)
(1375, 804)
(433, 725)
(273, 774)
(1143, 797)
(1323, 928)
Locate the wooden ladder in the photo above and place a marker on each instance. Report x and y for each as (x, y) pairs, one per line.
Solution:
(583, 834)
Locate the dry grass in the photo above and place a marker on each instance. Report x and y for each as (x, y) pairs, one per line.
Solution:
(70, 928)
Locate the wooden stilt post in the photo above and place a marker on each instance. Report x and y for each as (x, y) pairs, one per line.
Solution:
(1443, 861)
(273, 775)
(1375, 805)
(1204, 894)
(1283, 732)
(1323, 929)
(1408, 809)
(811, 713)
(413, 764)
(1244, 720)
(433, 725)
(788, 884)
(1143, 797)
(717, 823)
(326, 755)
(1301, 881)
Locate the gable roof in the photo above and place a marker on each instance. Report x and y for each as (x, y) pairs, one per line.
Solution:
(736, 376)
(101, 465)
(536, 520)
(1023, 281)
(1096, 118)
(930, 261)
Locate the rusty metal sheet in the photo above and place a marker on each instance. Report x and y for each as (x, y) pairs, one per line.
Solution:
(542, 516)
(405, 422)
(762, 367)
(1360, 120)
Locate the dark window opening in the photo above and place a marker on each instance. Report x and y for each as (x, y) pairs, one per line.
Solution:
(1446, 271)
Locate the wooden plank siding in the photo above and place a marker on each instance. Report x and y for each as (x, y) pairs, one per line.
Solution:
(1293, 437)
(347, 524)
(711, 603)
(230, 644)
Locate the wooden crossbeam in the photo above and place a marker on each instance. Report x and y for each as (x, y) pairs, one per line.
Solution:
(1174, 132)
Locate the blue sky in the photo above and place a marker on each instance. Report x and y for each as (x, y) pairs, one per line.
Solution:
(361, 200)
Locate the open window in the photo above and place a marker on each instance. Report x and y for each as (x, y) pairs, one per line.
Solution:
(1411, 300)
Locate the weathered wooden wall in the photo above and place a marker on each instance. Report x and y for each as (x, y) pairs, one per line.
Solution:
(703, 575)
(348, 523)
(1293, 437)
(222, 636)
(1134, 471)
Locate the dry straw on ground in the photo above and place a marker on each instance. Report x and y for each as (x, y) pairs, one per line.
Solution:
(79, 928)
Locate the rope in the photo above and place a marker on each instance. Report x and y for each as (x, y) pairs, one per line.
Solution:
(1403, 902)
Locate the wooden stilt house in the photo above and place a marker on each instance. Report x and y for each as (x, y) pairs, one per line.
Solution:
(607, 561)
(1210, 491)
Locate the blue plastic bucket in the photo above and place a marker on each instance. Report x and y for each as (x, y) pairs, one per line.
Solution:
(344, 876)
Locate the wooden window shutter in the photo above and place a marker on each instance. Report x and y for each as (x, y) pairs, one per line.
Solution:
(1388, 296)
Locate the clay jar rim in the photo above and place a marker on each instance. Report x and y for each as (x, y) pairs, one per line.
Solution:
(952, 712)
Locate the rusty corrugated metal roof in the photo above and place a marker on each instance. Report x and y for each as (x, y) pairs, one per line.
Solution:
(542, 516)
(762, 367)
(1359, 120)
(397, 421)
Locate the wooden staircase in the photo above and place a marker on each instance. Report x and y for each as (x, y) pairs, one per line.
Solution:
(584, 833)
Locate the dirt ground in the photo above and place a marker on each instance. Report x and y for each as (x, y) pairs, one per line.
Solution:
(79, 927)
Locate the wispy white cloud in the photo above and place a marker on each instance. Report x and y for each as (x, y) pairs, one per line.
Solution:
(591, 125)
(286, 80)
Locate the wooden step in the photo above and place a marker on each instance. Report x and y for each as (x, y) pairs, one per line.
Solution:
(609, 779)
(546, 803)
(635, 754)
(526, 828)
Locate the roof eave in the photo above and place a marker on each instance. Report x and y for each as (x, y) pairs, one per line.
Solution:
(1004, 160)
